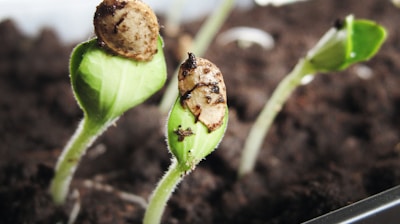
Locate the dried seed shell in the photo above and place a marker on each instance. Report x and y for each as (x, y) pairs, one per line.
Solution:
(202, 90)
(128, 28)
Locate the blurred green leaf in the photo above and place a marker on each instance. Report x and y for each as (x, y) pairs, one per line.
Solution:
(366, 39)
(353, 41)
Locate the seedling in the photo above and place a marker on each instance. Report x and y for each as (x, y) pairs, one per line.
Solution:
(109, 77)
(348, 42)
(196, 125)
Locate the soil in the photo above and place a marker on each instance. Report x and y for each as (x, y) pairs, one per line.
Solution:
(336, 141)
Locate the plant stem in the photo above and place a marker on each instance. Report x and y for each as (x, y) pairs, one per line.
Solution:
(173, 17)
(162, 193)
(203, 39)
(262, 124)
(84, 136)
(211, 27)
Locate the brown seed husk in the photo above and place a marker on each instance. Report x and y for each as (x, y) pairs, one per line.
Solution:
(128, 28)
(202, 90)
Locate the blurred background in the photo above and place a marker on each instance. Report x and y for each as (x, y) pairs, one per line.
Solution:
(72, 19)
(336, 141)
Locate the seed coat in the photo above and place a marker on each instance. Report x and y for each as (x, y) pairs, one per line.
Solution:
(128, 28)
(202, 90)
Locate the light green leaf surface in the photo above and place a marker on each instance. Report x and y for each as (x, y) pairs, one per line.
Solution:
(106, 85)
(340, 47)
(366, 39)
(193, 148)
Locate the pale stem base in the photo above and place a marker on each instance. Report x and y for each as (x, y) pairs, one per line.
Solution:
(69, 159)
(162, 193)
(262, 124)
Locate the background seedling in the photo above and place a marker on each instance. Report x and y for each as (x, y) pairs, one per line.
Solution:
(105, 84)
(172, 23)
(348, 42)
(191, 134)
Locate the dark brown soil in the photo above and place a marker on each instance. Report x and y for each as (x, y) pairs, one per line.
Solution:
(336, 141)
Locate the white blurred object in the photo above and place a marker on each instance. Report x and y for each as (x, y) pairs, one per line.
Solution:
(277, 2)
(363, 71)
(396, 3)
(246, 36)
(307, 79)
(75, 208)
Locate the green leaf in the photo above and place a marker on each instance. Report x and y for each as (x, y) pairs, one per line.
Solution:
(107, 85)
(340, 47)
(366, 39)
(189, 140)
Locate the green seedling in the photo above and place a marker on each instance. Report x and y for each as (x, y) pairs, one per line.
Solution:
(106, 84)
(196, 125)
(348, 42)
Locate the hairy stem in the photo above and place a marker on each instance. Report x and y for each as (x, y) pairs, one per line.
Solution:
(262, 124)
(69, 159)
(203, 39)
(162, 193)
